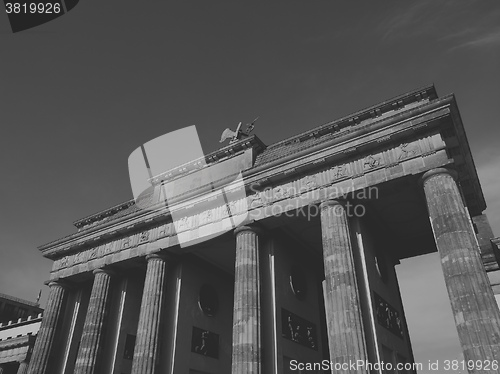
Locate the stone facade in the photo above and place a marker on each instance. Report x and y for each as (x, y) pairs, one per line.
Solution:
(17, 339)
(310, 274)
(13, 308)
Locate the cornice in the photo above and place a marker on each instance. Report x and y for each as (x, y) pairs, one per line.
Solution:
(398, 103)
(425, 93)
(416, 118)
(334, 148)
(16, 342)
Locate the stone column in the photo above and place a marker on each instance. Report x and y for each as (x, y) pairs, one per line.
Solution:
(346, 337)
(91, 347)
(45, 338)
(23, 367)
(472, 301)
(246, 358)
(147, 346)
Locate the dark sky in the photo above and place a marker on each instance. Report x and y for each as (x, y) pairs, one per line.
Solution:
(80, 93)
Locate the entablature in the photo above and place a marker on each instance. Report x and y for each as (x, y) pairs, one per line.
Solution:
(411, 142)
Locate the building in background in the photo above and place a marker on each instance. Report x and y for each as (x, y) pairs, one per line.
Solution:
(13, 308)
(19, 325)
(310, 274)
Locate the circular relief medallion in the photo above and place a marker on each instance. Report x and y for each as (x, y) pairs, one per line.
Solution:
(381, 266)
(298, 283)
(208, 300)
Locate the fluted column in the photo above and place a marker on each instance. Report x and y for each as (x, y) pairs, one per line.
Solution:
(147, 346)
(472, 300)
(42, 350)
(346, 338)
(23, 367)
(246, 318)
(91, 347)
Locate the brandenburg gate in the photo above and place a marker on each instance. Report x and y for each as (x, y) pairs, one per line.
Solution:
(300, 269)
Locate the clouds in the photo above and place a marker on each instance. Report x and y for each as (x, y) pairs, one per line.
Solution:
(491, 39)
(453, 24)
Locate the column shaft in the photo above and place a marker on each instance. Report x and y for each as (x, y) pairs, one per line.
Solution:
(475, 310)
(346, 338)
(87, 361)
(45, 338)
(23, 368)
(147, 346)
(246, 357)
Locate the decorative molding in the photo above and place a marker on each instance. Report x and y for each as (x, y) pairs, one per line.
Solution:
(298, 330)
(387, 316)
(205, 342)
(332, 149)
(300, 192)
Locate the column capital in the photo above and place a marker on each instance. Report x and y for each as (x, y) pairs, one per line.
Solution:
(59, 282)
(106, 270)
(164, 256)
(252, 228)
(438, 171)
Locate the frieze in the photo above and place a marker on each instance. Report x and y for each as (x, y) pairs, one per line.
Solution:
(310, 182)
(101, 250)
(205, 217)
(339, 171)
(165, 230)
(407, 150)
(372, 161)
(79, 257)
(126, 242)
(109, 247)
(255, 200)
(92, 254)
(144, 237)
(282, 192)
(183, 224)
(299, 192)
